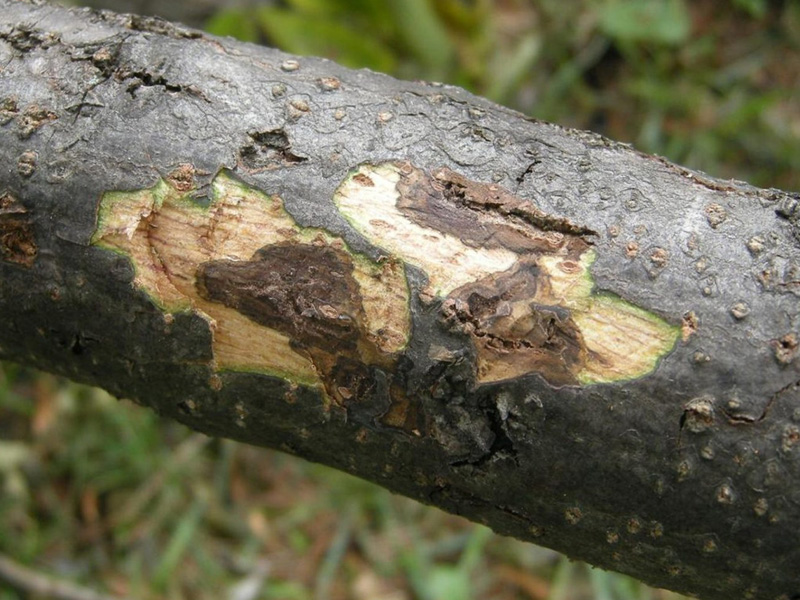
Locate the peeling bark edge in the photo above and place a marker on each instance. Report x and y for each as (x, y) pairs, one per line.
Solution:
(687, 477)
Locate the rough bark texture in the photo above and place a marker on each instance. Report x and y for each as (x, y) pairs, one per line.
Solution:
(549, 332)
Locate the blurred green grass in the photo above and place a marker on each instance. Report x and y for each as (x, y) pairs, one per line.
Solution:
(105, 493)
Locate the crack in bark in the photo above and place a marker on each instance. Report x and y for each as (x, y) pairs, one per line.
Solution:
(25, 38)
(528, 170)
(519, 515)
(501, 444)
(144, 78)
(148, 24)
(482, 215)
(269, 149)
(746, 419)
(787, 388)
(486, 198)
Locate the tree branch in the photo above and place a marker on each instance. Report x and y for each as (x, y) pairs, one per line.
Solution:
(534, 327)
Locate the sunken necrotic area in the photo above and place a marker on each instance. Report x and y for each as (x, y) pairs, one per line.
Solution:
(281, 299)
(514, 279)
(297, 303)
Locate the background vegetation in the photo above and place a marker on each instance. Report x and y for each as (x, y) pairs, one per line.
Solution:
(104, 493)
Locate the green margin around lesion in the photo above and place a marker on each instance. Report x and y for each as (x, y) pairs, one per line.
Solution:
(582, 299)
(586, 299)
(125, 213)
(669, 334)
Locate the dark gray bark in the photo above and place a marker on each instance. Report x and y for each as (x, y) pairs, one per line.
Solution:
(686, 476)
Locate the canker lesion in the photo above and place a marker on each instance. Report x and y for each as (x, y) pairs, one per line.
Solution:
(279, 298)
(515, 280)
(297, 302)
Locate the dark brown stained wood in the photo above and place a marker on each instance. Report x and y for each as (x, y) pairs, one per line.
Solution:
(304, 291)
(308, 293)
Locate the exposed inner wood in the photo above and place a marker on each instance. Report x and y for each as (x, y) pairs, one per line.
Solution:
(308, 293)
(297, 302)
(171, 240)
(369, 198)
(516, 280)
